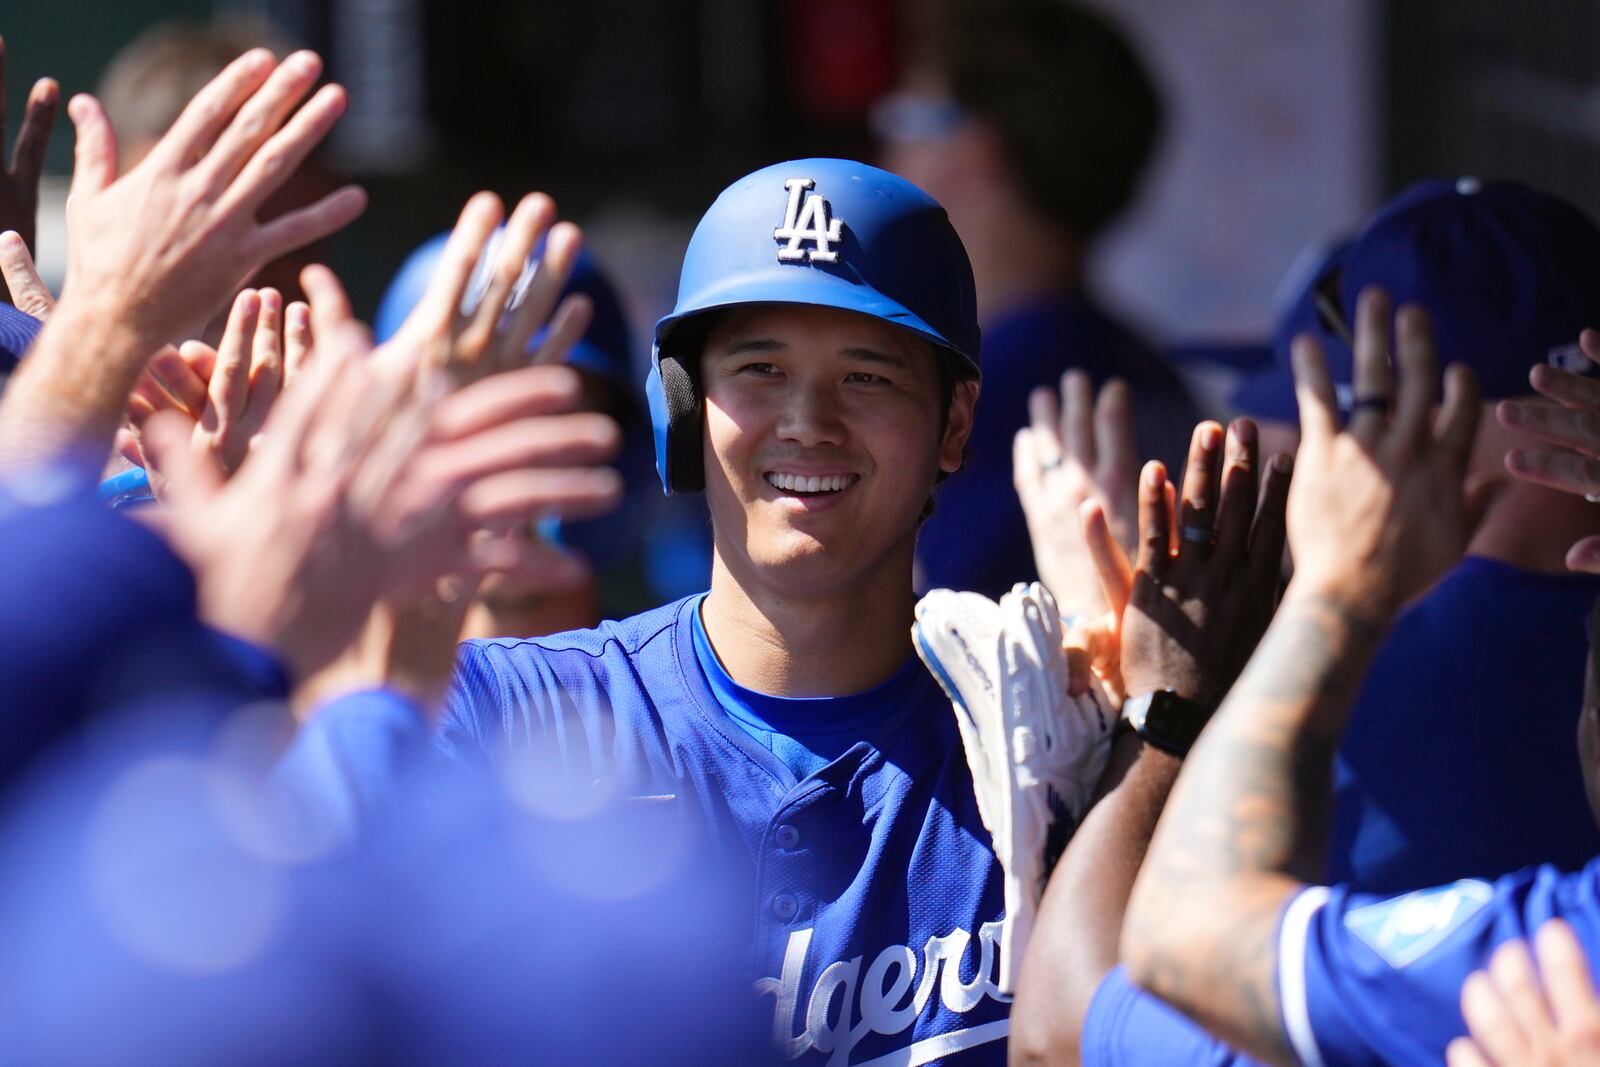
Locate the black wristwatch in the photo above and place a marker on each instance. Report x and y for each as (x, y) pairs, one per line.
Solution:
(1166, 720)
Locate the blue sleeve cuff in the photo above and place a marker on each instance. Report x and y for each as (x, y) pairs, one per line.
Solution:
(1128, 1027)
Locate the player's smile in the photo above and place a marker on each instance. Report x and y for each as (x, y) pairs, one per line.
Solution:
(809, 491)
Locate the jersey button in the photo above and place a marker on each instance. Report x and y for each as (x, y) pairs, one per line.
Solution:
(785, 906)
(788, 838)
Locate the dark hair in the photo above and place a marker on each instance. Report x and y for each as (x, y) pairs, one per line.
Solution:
(1076, 109)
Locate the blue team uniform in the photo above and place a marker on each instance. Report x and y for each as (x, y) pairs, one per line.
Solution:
(875, 897)
(1364, 980)
(1440, 706)
(158, 908)
(977, 538)
(98, 618)
(1367, 980)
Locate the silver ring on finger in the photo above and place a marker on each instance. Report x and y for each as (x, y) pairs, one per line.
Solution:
(1052, 463)
(1379, 404)
(1593, 498)
(1195, 534)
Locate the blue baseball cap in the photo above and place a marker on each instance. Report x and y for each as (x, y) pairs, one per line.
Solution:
(17, 331)
(605, 350)
(1305, 298)
(1510, 275)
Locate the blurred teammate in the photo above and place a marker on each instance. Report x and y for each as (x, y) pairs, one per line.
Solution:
(1227, 921)
(1032, 121)
(1510, 275)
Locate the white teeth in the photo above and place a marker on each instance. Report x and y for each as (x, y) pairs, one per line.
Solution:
(799, 483)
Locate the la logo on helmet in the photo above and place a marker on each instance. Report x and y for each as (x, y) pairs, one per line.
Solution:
(807, 220)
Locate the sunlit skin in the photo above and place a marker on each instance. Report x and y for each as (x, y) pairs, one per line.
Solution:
(822, 582)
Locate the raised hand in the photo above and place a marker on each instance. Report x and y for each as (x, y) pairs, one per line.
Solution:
(1074, 451)
(153, 253)
(1195, 610)
(225, 393)
(168, 242)
(485, 302)
(1527, 1018)
(1379, 511)
(367, 484)
(1569, 419)
(19, 182)
(475, 320)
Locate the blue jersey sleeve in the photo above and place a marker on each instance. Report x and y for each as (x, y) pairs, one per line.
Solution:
(550, 706)
(351, 756)
(1127, 1027)
(1377, 980)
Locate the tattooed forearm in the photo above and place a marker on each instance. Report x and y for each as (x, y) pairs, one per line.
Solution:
(1247, 825)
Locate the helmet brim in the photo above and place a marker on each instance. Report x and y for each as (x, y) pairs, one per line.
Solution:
(821, 289)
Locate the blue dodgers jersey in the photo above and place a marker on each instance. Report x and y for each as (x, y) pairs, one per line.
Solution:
(1466, 723)
(876, 898)
(1369, 980)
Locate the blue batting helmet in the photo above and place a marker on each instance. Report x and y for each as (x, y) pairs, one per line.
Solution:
(823, 232)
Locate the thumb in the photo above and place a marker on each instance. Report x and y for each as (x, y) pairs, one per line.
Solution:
(28, 291)
(1110, 562)
(189, 475)
(94, 157)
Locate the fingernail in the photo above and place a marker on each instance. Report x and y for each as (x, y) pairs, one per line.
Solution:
(1510, 412)
(1210, 436)
(305, 62)
(1244, 431)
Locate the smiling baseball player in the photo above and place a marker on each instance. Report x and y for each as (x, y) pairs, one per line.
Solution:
(816, 380)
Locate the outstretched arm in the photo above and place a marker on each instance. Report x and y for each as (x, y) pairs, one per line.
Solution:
(1193, 618)
(154, 253)
(1376, 514)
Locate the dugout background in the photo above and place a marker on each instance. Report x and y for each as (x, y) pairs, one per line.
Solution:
(1290, 118)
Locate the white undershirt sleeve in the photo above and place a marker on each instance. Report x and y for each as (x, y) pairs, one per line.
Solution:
(1292, 933)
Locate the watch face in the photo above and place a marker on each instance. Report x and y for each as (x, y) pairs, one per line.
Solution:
(1173, 723)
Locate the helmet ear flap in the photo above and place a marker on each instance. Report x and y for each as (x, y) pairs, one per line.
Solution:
(675, 408)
